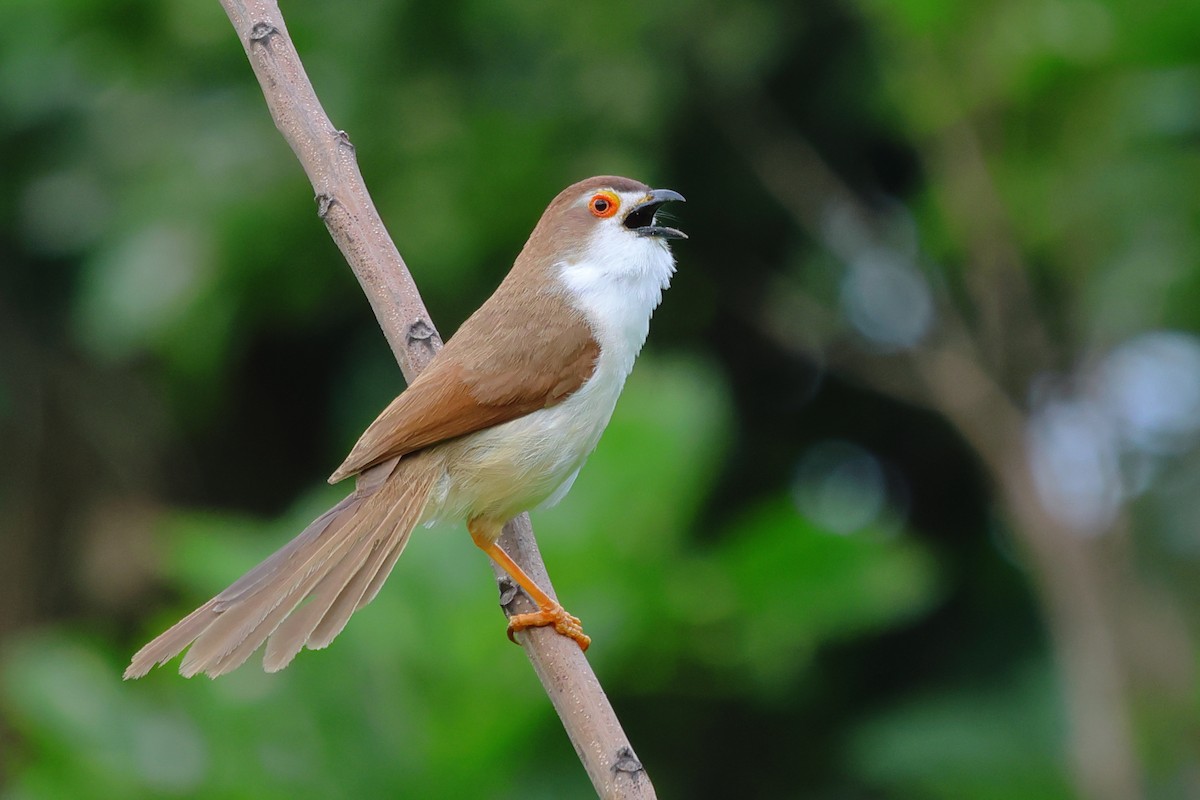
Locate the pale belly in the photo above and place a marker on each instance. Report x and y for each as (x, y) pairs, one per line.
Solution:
(518, 465)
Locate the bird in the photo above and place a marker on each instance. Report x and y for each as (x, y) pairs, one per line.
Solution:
(500, 422)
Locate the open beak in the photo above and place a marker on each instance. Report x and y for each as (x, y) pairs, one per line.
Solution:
(640, 218)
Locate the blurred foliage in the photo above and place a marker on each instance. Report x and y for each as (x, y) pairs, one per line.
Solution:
(803, 576)
(411, 688)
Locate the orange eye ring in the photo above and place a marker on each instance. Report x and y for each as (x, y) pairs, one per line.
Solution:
(604, 204)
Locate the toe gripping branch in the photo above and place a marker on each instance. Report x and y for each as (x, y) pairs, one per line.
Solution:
(550, 612)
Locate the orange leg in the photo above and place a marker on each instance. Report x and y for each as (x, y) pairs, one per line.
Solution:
(549, 612)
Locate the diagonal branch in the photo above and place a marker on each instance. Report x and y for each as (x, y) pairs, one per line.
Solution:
(343, 203)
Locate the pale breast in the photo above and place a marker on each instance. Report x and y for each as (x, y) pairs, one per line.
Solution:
(518, 465)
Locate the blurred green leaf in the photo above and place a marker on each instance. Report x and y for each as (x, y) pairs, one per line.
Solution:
(988, 742)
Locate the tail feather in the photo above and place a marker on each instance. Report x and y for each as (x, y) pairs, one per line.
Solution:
(368, 483)
(233, 637)
(353, 537)
(295, 632)
(377, 567)
(355, 595)
(376, 583)
(292, 633)
(348, 577)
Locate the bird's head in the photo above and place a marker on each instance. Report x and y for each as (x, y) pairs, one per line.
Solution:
(627, 207)
(606, 218)
(620, 207)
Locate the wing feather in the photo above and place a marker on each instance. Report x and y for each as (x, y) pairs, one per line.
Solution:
(506, 361)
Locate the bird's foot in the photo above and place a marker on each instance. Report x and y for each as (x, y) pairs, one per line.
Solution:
(566, 624)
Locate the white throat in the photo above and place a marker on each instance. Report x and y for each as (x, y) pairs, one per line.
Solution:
(617, 284)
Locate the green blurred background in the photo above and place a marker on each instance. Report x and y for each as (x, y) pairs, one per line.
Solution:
(900, 502)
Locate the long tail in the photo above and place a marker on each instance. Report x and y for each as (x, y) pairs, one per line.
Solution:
(338, 563)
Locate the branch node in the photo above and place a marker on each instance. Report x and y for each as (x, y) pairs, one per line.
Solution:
(421, 332)
(627, 762)
(343, 140)
(261, 31)
(508, 591)
(324, 203)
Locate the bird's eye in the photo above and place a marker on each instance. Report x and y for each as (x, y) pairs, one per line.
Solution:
(604, 204)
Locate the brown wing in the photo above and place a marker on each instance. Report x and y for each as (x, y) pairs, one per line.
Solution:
(521, 351)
